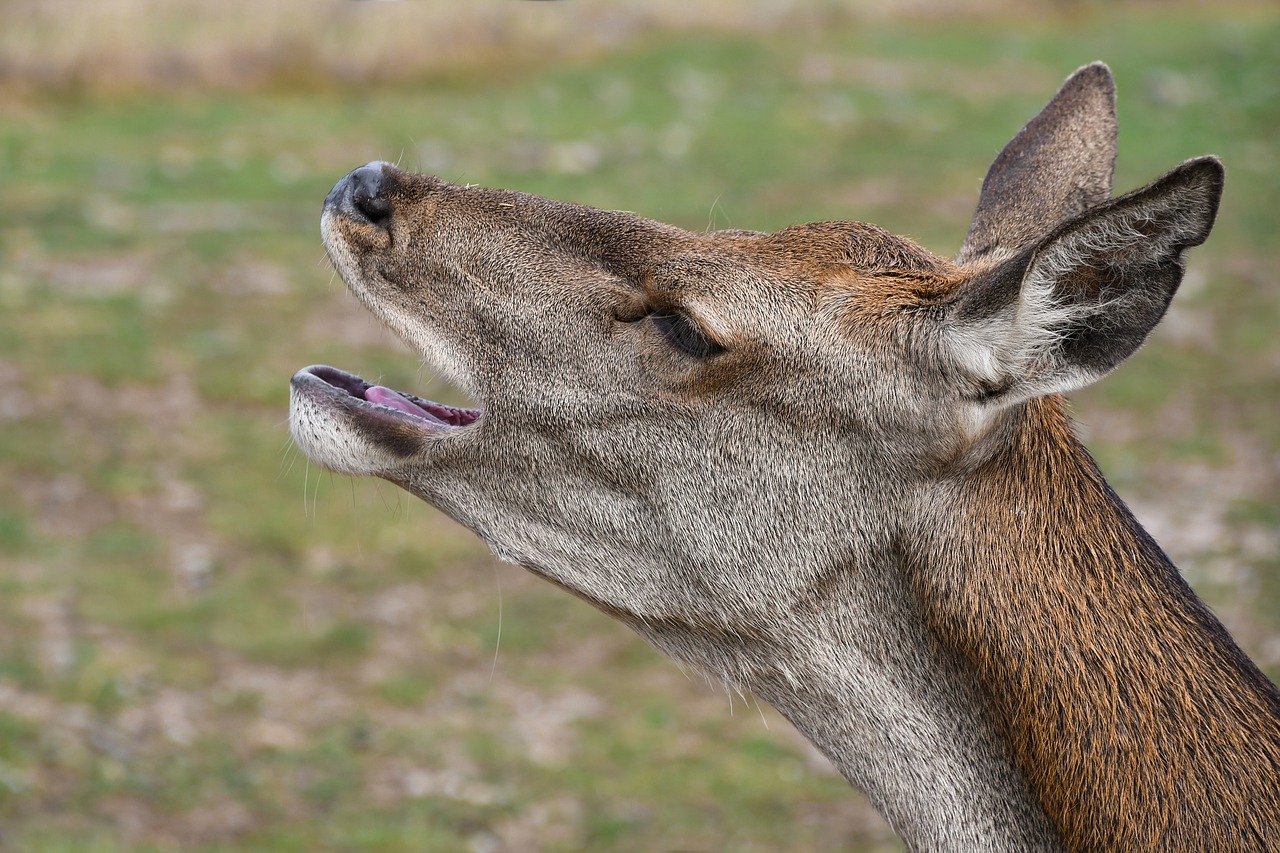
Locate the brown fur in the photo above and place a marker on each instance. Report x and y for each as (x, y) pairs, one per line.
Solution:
(1139, 723)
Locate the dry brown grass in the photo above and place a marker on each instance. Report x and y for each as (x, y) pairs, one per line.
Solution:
(122, 45)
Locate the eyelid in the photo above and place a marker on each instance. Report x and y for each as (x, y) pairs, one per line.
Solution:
(684, 334)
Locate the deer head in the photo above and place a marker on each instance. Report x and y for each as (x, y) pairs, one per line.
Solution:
(696, 428)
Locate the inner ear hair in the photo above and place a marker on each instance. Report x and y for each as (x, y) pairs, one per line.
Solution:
(1062, 314)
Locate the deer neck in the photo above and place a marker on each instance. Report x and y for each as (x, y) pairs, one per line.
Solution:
(1135, 719)
(853, 666)
(900, 718)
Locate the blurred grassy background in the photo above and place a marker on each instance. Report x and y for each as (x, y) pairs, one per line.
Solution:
(206, 644)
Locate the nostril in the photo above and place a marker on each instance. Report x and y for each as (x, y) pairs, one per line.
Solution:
(376, 210)
(366, 194)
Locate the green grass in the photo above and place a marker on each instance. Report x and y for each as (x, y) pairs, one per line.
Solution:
(208, 645)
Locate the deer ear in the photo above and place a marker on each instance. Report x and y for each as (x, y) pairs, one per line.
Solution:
(1060, 315)
(1057, 167)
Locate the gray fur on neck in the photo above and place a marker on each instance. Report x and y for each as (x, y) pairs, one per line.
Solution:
(854, 669)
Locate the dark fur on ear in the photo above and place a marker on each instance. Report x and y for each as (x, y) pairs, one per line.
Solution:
(1056, 168)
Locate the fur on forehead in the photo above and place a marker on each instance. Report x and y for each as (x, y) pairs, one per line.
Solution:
(866, 248)
(836, 259)
(860, 246)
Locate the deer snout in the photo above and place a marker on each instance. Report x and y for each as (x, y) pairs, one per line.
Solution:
(359, 195)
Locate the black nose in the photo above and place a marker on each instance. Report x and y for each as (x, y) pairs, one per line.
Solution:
(359, 195)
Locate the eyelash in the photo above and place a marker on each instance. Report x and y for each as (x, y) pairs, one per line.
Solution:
(685, 335)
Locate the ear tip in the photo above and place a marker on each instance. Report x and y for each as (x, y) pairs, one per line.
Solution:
(1206, 171)
(1208, 165)
(1096, 74)
(1196, 188)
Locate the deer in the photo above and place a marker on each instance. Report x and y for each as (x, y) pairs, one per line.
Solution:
(832, 468)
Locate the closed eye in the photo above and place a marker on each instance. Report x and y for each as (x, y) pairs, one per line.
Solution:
(685, 335)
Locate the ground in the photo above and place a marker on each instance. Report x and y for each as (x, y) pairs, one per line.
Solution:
(207, 644)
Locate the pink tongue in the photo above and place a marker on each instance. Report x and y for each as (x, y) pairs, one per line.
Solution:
(387, 397)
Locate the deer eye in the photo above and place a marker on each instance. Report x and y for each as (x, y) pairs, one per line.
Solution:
(685, 335)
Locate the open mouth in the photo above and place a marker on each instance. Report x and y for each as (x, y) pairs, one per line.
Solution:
(346, 389)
